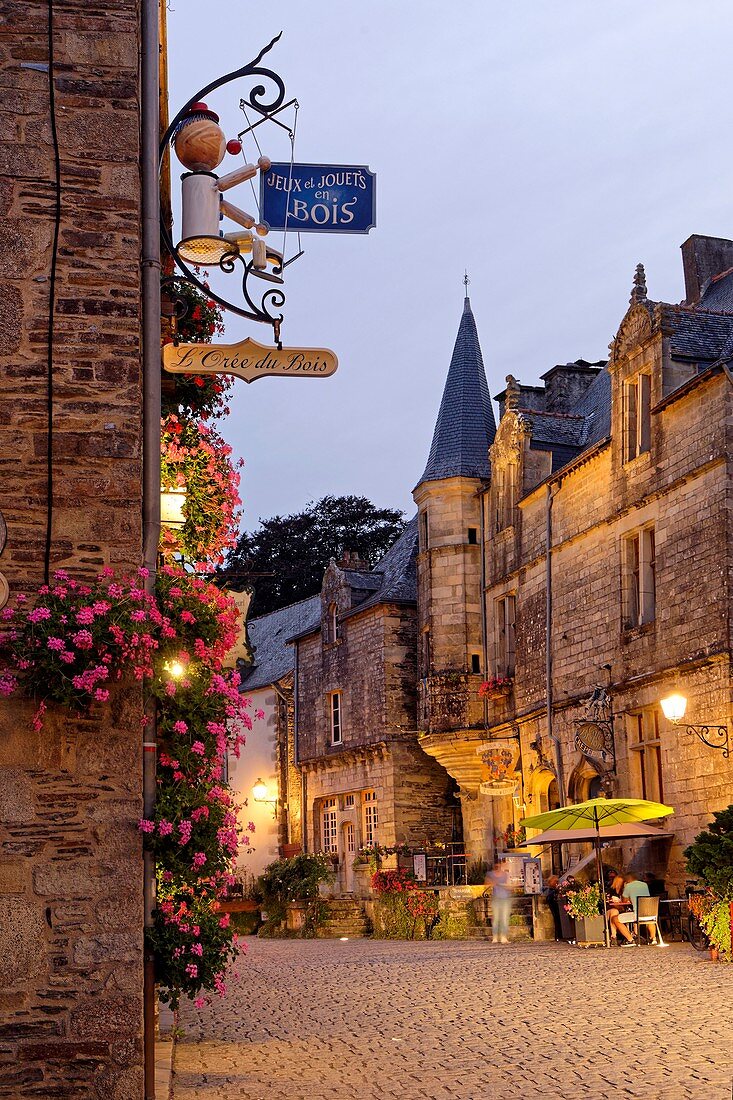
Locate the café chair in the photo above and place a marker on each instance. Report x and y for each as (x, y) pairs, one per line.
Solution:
(647, 914)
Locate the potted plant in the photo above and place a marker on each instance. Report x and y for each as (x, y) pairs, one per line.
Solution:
(496, 687)
(584, 906)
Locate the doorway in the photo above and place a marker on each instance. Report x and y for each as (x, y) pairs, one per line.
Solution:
(348, 837)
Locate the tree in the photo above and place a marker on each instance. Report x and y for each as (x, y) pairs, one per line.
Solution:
(296, 549)
(711, 856)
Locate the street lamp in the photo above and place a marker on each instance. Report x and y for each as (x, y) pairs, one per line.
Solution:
(715, 735)
(259, 793)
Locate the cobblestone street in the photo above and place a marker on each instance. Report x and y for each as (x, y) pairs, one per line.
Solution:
(366, 1019)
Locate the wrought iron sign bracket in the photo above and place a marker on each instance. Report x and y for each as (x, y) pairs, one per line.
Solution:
(594, 735)
(714, 736)
(265, 308)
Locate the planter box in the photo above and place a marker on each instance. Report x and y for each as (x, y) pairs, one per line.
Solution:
(240, 905)
(590, 930)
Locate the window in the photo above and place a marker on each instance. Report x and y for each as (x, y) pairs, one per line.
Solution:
(506, 495)
(646, 754)
(424, 540)
(371, 819)
(335, 714)
(426, 652)
(475, 662)
(328, 825)
(349, 838)
(473, 536)
(639, 578)
(333, 632)
(348, 801)
(504, 612)
(637, 416)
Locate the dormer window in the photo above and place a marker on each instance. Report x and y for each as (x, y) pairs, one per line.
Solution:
(333, 628)
(637, 416)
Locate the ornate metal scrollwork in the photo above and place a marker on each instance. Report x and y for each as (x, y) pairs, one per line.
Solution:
(594, 731)
(714, 736)
(256, 308)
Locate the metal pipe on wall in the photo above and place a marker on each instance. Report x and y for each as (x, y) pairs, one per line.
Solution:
(150, 292)
(551, 490)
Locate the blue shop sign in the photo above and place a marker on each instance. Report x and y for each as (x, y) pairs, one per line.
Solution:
(318, 198)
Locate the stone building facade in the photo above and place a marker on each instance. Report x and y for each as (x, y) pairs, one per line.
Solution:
(366, 781)
(573, 568)
(71, 908)
(606, 556)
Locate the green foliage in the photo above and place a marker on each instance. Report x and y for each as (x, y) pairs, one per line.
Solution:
(295, 879)
(710, 857)
(298, 547)
(476, 872)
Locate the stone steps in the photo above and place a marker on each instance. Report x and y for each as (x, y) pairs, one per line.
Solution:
(345, 918)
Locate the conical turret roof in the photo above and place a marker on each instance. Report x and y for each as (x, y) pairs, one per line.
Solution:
(465, 427)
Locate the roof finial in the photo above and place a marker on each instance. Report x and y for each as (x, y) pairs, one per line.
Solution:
(638, 291)
(466, 281)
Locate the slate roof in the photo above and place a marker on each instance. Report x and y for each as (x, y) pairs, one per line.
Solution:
(719, 294)
(396, 572)
(697, 334)
(268, 636)
(465, 427)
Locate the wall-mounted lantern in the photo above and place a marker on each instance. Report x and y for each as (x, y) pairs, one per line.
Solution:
(172, 503)
(260, 794)
(715, 734)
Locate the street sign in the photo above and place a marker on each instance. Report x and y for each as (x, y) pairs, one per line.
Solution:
(249, 360)
(323, 198)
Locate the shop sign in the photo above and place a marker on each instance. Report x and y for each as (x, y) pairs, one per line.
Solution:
(249, 360)
(318, 198)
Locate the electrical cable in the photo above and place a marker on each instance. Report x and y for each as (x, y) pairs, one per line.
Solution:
(51, 297)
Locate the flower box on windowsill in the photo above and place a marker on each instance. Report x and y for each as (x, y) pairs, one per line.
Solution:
(497, 687)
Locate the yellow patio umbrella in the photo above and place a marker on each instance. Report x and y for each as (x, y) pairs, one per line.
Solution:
(597, 813)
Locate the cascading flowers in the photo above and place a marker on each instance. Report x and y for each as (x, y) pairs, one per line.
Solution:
(194, 457)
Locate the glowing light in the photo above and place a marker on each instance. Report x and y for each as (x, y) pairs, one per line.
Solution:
(674, 707)
(259, 791)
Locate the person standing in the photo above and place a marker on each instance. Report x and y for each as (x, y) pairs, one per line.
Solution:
(552, 897)
(501, 901)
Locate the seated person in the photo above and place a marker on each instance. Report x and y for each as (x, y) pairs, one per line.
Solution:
(657, 887)
(623, 914)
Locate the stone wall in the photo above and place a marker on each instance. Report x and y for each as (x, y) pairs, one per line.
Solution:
(681, 487)
(70, 796)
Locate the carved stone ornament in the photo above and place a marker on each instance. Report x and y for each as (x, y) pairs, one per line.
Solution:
(499, 759)
(635, 329)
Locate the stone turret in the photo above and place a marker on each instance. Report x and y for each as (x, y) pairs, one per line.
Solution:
(451, 645)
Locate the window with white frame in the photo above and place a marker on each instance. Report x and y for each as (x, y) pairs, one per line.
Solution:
(645, 754)
(371, 817)
(334, 707)
(328, 825)
(504, 618)
(639, 578)
(637, 416)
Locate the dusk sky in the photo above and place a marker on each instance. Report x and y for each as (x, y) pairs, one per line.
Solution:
(547, 147)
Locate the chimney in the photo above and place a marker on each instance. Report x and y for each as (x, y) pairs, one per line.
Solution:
(702, 259)
(566, 384)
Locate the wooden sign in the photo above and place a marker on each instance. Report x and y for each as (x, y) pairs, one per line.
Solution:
(249, 360)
